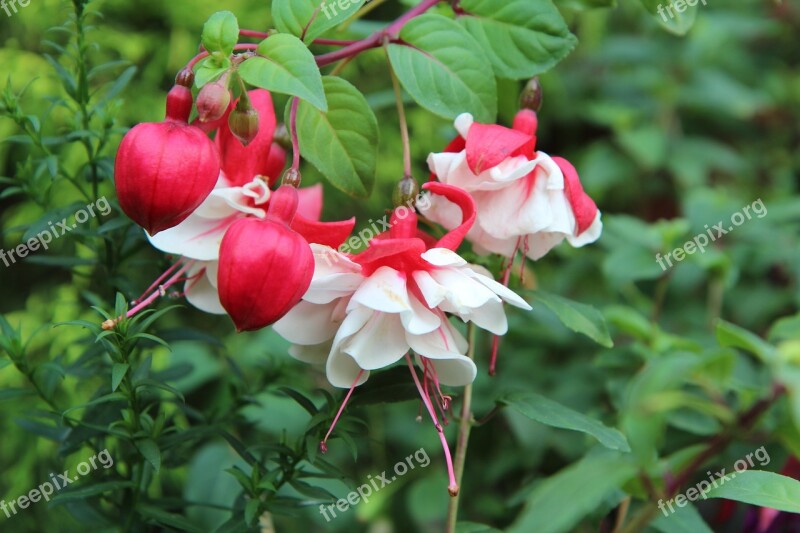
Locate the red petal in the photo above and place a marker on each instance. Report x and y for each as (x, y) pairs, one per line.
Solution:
(455, 146)
(310, 202)
(488, 145)
(453, 239)
(583, 207)
(527, 122)
(275, 162)
(242, 163)
(403, 255)
(331, 234)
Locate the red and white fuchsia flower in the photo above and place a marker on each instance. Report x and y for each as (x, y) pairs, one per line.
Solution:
(164, 170)
(366, 311)
(525, 198)
(241, 192)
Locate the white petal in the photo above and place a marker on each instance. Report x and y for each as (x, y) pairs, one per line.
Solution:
(454, 372)
(463, 123)
(315, 354)
(308, 324)
(385, 290)
(196, 237)
(381, 342)
(589, 235)
(419, 320)
(201, 293)
(443, 257)
(443, 343)
(342, 370)
(501, 290)
(541, 243)
(490, 317)
(329, 288)
(431, 290)
(463, 291)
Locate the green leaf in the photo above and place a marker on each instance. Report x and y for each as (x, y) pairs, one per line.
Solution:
(168, 519)
(554, 414)
(444, 69)
(760, 488)
(118, 372)
(342, 143)
(81, 493)
(578, 317)
(521, 38)
(10, 394)
(251, 511)
(285, 65)
(221, 33)
(584, 485)
(292, 16)
(149, 450)
(210, 69)
(670, 18)
(731, 335)
(682, 520)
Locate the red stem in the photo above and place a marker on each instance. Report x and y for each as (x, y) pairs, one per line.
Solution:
(295, 140)
(376, 39)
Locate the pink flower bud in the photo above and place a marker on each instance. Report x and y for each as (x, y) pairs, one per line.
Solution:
(265, 267)
(213, 101)
(165, 170)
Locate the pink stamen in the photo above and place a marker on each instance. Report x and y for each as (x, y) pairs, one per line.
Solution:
(161, 290)
(323, 446)
(506, 279)
(453, 488)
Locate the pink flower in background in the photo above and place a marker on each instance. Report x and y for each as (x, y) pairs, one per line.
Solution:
(524, 198)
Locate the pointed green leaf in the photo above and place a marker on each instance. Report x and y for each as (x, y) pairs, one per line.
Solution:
(444, 69)
(149, 450)
(293, 16)
(521, 38)
(118, 372)
(760, 488)
(285, 65)
(578, 317)
(221, 33)
(554, 414)
(342, 143)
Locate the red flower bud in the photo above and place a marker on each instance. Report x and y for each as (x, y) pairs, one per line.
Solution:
(164, 170)
(213, 101)
(265, 267)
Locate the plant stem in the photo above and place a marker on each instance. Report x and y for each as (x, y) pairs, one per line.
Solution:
(401, 113)
(464, 428)
(293, 129)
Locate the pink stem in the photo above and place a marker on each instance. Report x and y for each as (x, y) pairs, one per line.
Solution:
(453, 488)
(204, 54)
(150, 299)
(333, 42)
(159, 279)
(254, 33)
(496, 338)
(295, 140)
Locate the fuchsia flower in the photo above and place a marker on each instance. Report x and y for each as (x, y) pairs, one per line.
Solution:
(241, 192)
(164, 170)
(525, 199)
(366, 311)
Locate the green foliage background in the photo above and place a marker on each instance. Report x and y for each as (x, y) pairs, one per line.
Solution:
(669, 134)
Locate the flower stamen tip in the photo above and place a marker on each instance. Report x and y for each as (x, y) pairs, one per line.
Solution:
(453, 490)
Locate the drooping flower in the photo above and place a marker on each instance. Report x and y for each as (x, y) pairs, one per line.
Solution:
(265, 267)
(198, 238)
(525, 198)
(164, 170)
(366, 311)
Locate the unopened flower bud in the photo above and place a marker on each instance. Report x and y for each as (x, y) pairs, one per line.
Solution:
(213, 100)
(243, 121)
(185, 77)
(406, 192)
(179, 103)
(291, 177)
(531, 96)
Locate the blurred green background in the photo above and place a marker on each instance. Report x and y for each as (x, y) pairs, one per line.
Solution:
(668, 133)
